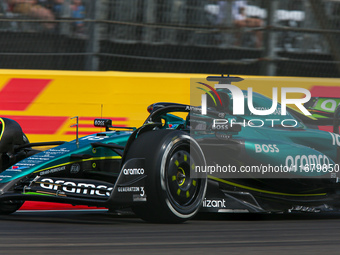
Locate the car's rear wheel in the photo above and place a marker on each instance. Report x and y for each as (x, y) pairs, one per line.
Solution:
(173, 194)
(336, 120)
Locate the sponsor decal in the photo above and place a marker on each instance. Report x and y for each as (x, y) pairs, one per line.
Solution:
(13, 170)
(192, 108)
(129, 189)
(24, 165)
(16, 168)
(132, 189)
(53, 170)
(94, 138)
(5, 176)
(133, 171)
(214, 203)
(102, 122)
(138, 198)
(76, 187)
(58, 150)
(266, 148)
(299, 161)
(75, 168)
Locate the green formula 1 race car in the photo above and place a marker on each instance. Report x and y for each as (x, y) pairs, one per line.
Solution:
(181, 162)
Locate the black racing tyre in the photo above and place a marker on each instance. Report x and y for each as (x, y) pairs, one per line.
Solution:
(173, 195)
(336, 120)
(8, 207)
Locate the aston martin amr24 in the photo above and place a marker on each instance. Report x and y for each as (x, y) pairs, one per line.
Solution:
(181, 162)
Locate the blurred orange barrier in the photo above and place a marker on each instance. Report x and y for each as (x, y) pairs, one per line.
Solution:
(44, 101)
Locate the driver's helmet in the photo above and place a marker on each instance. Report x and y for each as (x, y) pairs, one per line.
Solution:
(11, 135)
(215, 103)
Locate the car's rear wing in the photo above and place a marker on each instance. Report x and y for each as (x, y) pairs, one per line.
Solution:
(333, 119)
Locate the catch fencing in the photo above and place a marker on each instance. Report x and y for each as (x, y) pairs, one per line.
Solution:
(263, 37)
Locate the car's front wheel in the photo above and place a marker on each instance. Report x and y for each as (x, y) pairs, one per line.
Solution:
(173, 194)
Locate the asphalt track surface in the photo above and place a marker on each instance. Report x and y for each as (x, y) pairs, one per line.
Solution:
(99, 232)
